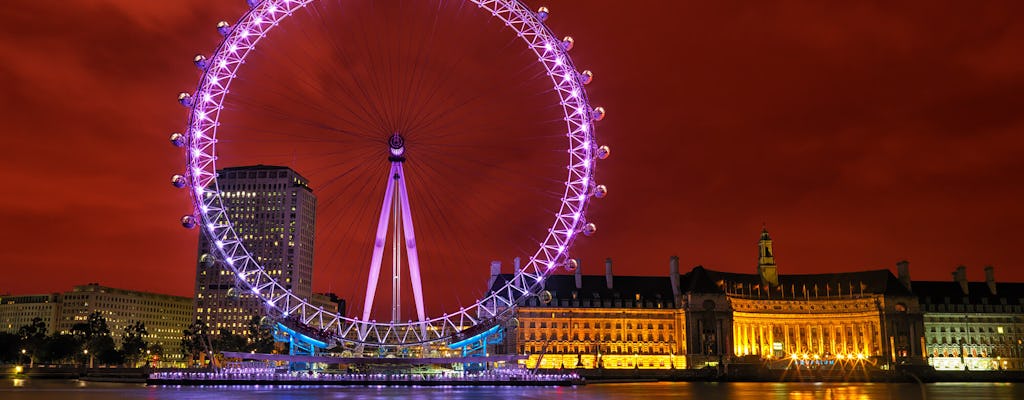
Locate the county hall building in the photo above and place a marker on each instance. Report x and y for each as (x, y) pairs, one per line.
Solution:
(703, 318)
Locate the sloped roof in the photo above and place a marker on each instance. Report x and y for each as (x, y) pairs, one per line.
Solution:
(936, 292)
(882, 281)
(595, 286)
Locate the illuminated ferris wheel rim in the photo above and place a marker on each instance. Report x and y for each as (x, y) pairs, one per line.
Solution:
(205, 106)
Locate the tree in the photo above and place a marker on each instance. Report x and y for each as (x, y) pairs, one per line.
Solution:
(94, 325)
(195, 340)
(10, 347)
(261, 339)
(60, 348)
(33, 338)
(133, 341)
(105, 350)
(154, 352)
(95, 335)
(227, 341)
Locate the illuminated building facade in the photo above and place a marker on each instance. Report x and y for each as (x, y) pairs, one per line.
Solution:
(595, 321)
(329, 302)
(706, 317)
(274, 213)
(973, 325)
(815, 318)
(19, 311)
(165, 316)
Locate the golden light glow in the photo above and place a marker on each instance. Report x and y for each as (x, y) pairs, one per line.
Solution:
(571, 337)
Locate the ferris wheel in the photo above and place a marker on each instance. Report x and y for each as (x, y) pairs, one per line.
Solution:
(396, 144)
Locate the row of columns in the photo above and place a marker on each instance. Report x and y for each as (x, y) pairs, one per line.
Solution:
(799, 337)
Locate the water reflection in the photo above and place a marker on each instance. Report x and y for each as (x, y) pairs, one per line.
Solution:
(812, 391)
(18, 389)
(831, 393)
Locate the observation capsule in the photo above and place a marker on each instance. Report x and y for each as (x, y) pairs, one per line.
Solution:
(567, 43)
(232, 294)
(545, 297)
(206, 260)
(200, 61)
(589, 229)
(586, 77)
(603, 152)
(185, 99)
(224, 28)
(543, 14)
(188, 221)
(572, 264)
(178, 181)
(597, 114)
(512, 323)
(177, 139)
(600, 191)
(253, 3)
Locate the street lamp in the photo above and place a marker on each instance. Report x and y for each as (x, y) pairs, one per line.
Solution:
(963, 361)
(24, 354)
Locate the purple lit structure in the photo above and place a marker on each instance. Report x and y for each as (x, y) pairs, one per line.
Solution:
(211, 215)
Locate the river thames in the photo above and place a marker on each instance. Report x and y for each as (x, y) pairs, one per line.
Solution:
(65, 389)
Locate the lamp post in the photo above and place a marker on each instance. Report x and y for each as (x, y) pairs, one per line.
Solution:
(963, 341)
(91, 356)
(963, 361)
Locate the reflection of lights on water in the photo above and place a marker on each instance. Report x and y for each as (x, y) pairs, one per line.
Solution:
(18, 382)
(846, 392)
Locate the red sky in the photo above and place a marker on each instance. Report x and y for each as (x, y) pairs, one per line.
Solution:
(861, 133)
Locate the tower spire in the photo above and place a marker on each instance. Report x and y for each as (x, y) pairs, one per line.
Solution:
(766, 259)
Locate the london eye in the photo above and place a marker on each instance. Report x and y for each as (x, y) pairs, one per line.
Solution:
(438, 133)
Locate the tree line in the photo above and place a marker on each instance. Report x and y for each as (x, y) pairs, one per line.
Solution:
(199, 338)
(89, 341)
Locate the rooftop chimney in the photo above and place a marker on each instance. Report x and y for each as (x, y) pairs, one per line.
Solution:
(608, 272)
(903, 273)
(673, 275)
(517, 269)
(579, 276)
(960, 276)
(990, 279)
(495, 271)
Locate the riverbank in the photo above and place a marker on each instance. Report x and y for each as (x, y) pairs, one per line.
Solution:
(141, 375)
(116, 374)
(758, 374)
(51, 389)
(372, 382)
